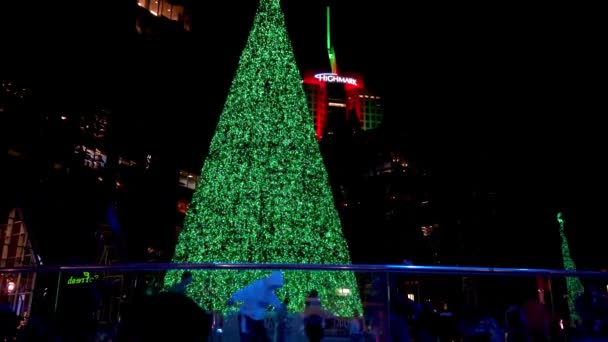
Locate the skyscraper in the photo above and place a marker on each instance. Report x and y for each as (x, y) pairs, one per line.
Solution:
(336, 98)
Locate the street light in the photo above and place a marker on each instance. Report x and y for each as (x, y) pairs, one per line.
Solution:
(10, 286)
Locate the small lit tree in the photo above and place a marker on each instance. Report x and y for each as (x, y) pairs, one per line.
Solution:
(573, 284)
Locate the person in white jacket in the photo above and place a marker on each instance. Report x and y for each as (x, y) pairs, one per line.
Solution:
(255, 299)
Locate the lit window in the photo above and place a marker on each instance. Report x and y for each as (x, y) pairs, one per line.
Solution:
(166, 9)
(126, 162)
(183, 179)
(93, 158)
(182, 206)
(177, 13)
(188, 180)
(169, 11)
(154, 7)
(192, 182)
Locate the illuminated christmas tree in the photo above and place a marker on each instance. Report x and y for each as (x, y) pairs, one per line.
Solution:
(573, 284)
(264, 194)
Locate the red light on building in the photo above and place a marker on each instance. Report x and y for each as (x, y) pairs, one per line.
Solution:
(319, 87)
(182, 206)
(349, 81)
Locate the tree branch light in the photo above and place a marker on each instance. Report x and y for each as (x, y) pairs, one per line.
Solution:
(264, 194)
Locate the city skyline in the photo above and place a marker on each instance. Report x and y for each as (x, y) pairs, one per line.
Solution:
(464, 140)
(498, 100)
(453, 60)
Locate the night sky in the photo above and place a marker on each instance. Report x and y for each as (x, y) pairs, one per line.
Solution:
(504, 95)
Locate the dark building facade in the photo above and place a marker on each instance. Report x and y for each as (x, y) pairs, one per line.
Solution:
(78, 182)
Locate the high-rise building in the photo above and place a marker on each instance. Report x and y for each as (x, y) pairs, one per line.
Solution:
(68, 171)
(336, 98)
(16, 251)
(85, 195)
(155, 18)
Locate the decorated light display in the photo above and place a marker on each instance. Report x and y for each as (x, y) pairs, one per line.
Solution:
(573, 284)
(264, 194)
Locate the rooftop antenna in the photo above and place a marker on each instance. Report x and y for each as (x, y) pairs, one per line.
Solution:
(330, 48)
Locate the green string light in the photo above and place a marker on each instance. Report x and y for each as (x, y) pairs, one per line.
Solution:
(574, 285)
(264, 194)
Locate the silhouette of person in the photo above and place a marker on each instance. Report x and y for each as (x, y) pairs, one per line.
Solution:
(255, 299)
(356, 327)
(166, 316)
(537, 320)
(515, 324)
(180, 287)
(282, 321)
(8, 321)
(400, 309)
(314, 317)
(427, 323)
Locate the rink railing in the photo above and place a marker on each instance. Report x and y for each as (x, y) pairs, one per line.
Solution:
(414, 269)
